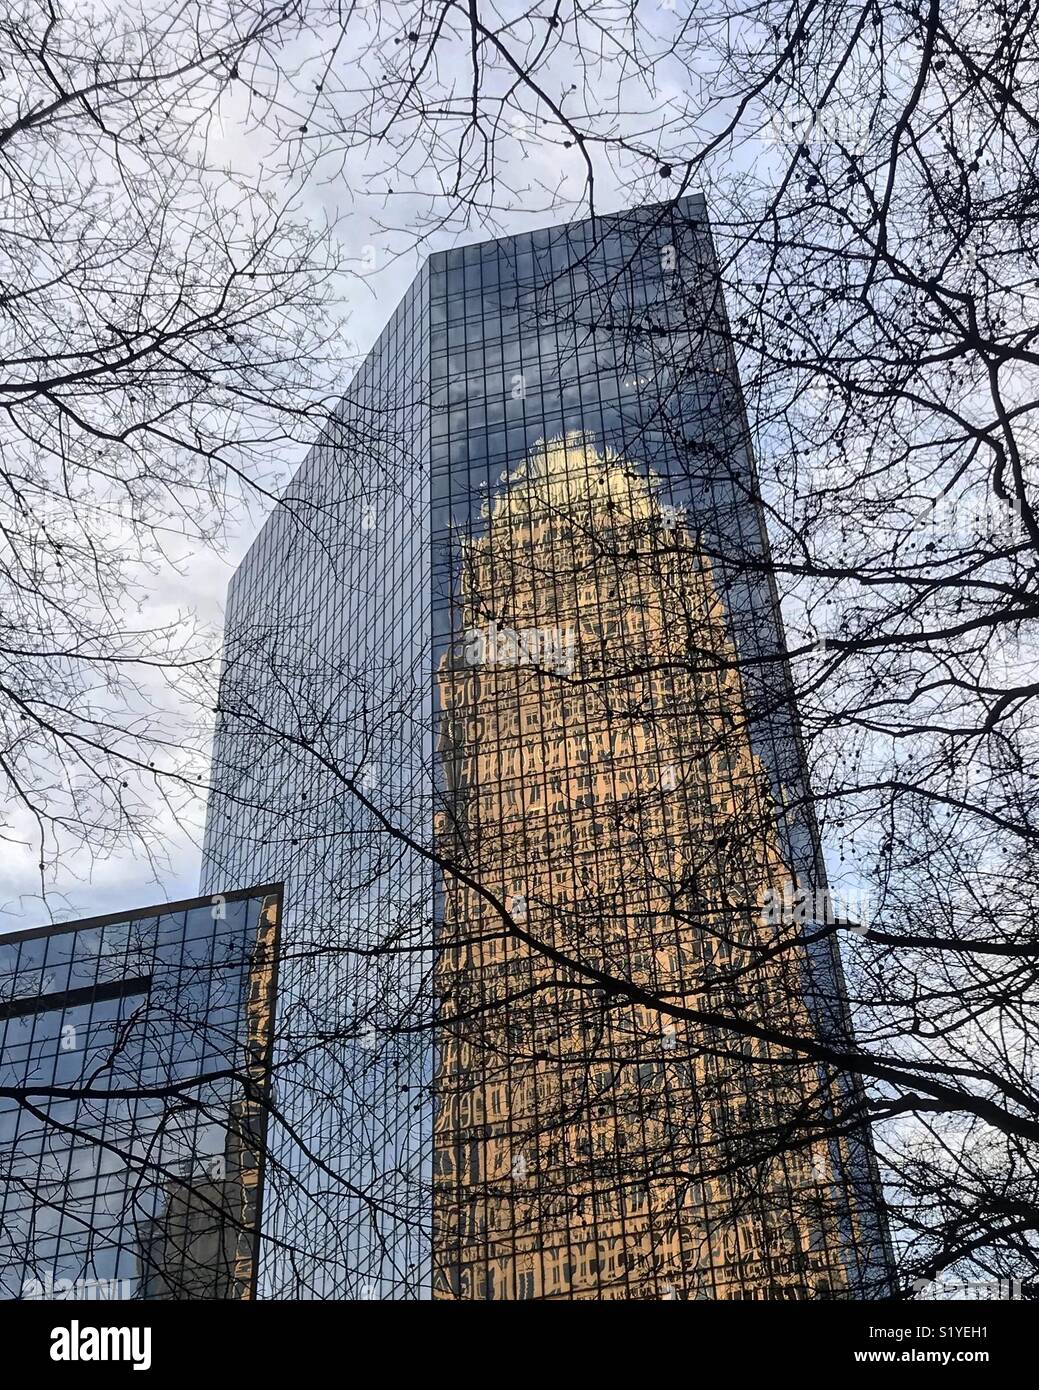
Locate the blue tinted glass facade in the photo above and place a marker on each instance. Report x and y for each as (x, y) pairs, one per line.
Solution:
(131, 1138)
(527, 713)
(323, 739)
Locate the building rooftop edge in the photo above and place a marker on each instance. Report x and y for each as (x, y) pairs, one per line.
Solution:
(434, 257)
(135, 913)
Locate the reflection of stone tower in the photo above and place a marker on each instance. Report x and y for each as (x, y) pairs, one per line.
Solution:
(203, 1242)
(191, 1249)
(600, 783)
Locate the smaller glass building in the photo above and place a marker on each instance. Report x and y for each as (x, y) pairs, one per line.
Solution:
(134, 1079)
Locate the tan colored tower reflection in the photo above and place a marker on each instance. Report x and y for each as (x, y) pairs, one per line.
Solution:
(601, 784)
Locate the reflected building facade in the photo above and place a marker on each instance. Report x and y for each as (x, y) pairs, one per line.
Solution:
(132, 1162)
(553, 750)
(602, 787)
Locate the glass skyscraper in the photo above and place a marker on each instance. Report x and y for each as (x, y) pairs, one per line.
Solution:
(506, 707)
(134, 1057)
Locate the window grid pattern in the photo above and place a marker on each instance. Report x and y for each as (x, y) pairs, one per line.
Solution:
(324, 728)
(609, 781)
(356, 694)
(144, 1180)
